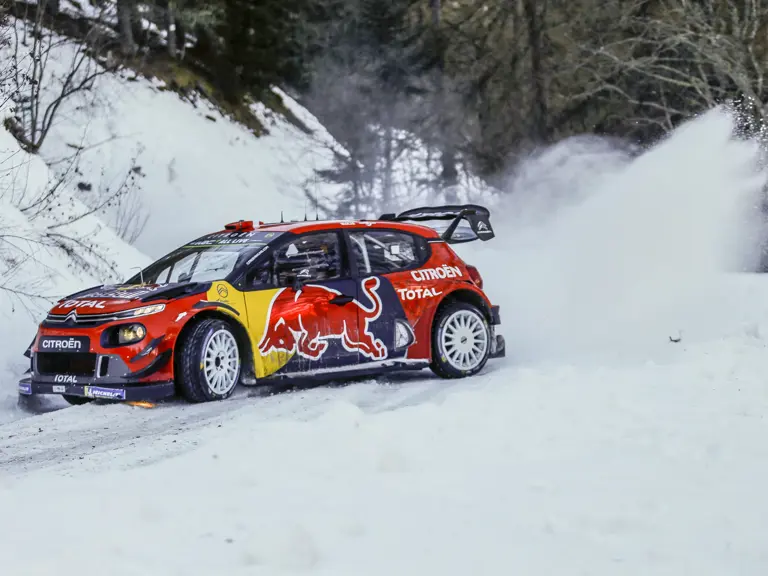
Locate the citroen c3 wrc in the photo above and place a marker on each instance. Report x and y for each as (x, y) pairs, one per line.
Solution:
(251, 304)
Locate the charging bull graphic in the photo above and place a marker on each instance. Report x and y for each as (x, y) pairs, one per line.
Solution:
(303, 321)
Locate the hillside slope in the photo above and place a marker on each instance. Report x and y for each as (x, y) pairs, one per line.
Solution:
(178, 166)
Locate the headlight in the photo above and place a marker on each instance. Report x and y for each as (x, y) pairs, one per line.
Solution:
(130, 333)
(143, 311)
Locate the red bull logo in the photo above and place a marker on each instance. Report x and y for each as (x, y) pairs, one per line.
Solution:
(303, 321)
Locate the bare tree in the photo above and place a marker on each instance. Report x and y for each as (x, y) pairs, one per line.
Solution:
(36, 104)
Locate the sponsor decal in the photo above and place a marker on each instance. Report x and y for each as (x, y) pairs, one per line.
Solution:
(227, 238)
(120, 292)
(355, 223)
(417, 293)
(289, 330)
(482, 228)
(65, 378)
(25, 388)
(259, 253)
(79, 304)
(105, 393)
(222, 290)
(59, 389)
(439, 273)
(63, 344)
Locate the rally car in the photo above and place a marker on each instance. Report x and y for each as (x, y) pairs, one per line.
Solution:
(259, 302)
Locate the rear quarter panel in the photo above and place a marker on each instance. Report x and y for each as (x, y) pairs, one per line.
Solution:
(421, 291)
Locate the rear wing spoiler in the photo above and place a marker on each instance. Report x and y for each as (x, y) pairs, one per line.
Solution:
(478, 217)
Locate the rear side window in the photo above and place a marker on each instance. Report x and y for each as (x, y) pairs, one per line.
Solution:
(387, 251)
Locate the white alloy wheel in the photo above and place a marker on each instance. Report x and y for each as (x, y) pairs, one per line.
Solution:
(464, 340)
(221, 362)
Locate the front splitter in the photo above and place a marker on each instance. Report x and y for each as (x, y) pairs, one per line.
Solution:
(154, 391)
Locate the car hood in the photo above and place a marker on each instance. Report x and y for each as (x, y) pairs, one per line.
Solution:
(117, 297)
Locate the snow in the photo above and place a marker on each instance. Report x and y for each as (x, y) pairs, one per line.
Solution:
(598, 446)
(571, 456)
(638, 251)
(604, 471)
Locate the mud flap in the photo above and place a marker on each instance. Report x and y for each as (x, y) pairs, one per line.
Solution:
(498, 346)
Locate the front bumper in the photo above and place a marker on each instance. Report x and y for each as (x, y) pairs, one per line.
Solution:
(136, 392)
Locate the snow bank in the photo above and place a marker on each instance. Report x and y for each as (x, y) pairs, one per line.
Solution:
(50, 245)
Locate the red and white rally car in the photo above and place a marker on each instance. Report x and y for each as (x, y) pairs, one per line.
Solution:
(258, 302)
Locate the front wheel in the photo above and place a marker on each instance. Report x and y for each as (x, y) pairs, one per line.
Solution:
(208, 362)
(461, 341)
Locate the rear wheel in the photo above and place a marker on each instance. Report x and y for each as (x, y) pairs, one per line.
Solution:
(208, 362)
(461, 341)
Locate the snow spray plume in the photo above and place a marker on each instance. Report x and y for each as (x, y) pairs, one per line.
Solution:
(602, 254)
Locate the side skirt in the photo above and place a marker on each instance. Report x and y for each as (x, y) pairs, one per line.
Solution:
(367, 369)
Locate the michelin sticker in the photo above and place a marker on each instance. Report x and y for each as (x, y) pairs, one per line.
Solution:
(105, 393)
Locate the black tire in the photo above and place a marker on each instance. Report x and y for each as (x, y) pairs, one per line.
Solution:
(76, 400)
(191, 381)
(441, 365)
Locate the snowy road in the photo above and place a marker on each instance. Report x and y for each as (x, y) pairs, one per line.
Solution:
(653, 469)
(132, 435)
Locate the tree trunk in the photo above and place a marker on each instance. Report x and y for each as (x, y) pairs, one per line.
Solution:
(125, 10)
(52, 7)
(181, 39)
(449, 174)
(535, 18)
(170, 28)
(386, 193)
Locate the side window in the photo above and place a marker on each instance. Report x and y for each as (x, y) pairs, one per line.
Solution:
(259, 276)
(309, 258)
(386, 251)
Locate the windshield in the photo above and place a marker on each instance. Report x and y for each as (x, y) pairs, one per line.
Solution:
(206, 259)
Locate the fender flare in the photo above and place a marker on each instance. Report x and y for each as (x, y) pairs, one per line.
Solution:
(219, 310)
(461, 293)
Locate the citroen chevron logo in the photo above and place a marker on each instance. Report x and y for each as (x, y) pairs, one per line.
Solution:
(71, 317)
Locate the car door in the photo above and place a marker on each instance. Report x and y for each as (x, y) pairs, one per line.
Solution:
(308, 320)
(379, 256)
